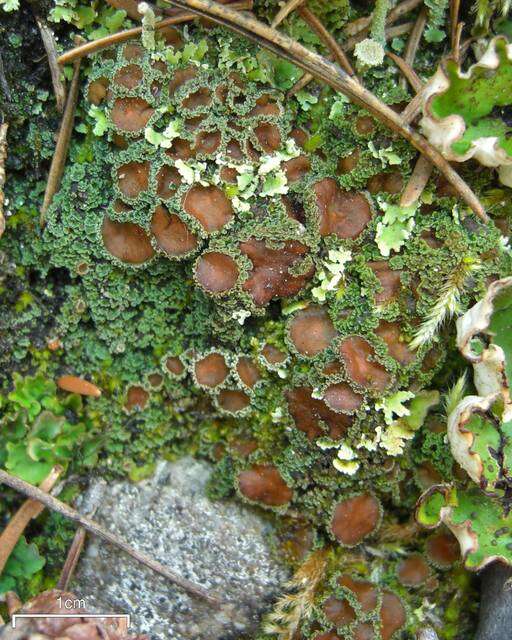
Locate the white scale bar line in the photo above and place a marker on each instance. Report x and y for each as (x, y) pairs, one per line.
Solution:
(70, 615)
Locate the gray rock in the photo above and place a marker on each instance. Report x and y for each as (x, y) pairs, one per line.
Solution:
(495, 621)
(224, 546)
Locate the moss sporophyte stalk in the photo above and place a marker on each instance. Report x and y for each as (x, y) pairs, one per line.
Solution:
(227, 271)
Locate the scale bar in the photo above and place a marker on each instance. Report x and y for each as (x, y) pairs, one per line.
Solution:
(17, 616)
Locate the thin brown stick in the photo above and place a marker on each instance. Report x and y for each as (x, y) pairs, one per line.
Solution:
(304, 80)
(76, 548)
(132, 8)
(423, 167)
(417, 182)
(456, 51)
(3, 158)
(95, 528)
(72, 558)
(362, 24)
(401, 10)
(61, 148)
(290, 6)
(301, 83)
(335, 77)
(413, 41)
(357, 25)
(51, 53)
(412, 110)
(454, 24)
(391, 32)
(94, 46)
(409, 74)
(337, 52)
(29, 510)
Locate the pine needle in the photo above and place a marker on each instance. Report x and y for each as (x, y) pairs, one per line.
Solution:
(447, 305)
(294, 607)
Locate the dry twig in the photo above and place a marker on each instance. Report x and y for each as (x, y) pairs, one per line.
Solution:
(29, 510)
(94, 46)
(413, 41)
(95, 528)
(456, 51)
(455, 28)
(408, 72)
(332, 75)
(77, 545)
(301, 83)
(347, 47)
(417, 182)
(3, 158)
(361, 26)
(391, 32)
(72, 558)
(412, 110)
(337, 52)
(51, 52)
(61, 148)
(290, 6)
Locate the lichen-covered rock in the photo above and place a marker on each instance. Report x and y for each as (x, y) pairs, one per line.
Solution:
(241, 283)
(222, 546)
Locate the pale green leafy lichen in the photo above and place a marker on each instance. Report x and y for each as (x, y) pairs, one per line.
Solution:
(395, 227)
